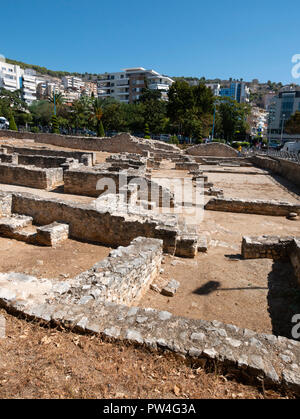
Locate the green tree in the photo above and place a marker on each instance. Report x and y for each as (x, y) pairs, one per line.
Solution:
(147, 132)
(12, 123)
(190, 109)
(41, 112)
(231, 120)
(55, 125)
(292, 126)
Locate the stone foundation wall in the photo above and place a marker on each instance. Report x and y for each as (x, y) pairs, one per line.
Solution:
(118, 144)
(270, 247)
(288, 169)
(5, 204)
(41, 161)
(102, 225)
(186, 166)
(273, 247)
(86, 158)
(241, 353)
(295, 257)
(273, 208)
(212, 149)
(9, 158)
(123, 277)
(32, 177)
(86, 182)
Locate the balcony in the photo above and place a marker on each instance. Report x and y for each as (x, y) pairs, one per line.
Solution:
(159, 86)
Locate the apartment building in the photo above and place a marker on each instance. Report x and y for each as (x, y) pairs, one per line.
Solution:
(71, 82)
(89, 89)
(127, 86)
(214, 87)
(237, 91)
(258, 122)
(10, 76)
(45, 88)
(13, 77)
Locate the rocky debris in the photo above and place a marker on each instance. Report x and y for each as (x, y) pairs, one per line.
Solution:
(213, 191)
(202, 244)
(156, 288)
(292, 216)
(171, 288)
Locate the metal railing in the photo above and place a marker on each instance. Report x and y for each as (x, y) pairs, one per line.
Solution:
(286, 155)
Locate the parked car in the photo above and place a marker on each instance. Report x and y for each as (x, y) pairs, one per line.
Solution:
(275, 145)
(291, 147)
(4, 124)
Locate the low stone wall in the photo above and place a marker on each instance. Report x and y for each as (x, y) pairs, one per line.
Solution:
(273, 208)
(123, 277)
(120, 143)
(95, 182)
(9, 158)
(86, 158)
(273, 247)
(241, 353)
(212, 149)
(270, 247)
(186, 166)
(41, 161)
(295, 257)
(32, 177)
(103, 225)
(5, 204)
(287, 169)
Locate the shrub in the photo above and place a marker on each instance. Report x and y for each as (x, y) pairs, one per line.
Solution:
(12, 123)
(100, 130)
(55, 126)
(147, 132)
(217, 140)
(35, 129)
(174, 140)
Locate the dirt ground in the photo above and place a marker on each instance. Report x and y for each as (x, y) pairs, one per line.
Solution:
(37, 362)
(67, 260)
(219, 285)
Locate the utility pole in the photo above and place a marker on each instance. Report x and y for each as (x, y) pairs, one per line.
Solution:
(213, 129)
(283, 118)
(54, 101)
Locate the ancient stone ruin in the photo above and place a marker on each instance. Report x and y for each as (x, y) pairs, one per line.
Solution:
(112, 193)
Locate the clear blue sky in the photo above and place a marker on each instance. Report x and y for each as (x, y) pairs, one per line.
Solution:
(220, 38)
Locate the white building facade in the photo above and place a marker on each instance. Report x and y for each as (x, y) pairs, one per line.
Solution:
(127, 86)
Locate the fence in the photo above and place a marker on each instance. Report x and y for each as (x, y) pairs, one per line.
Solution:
(295, 157)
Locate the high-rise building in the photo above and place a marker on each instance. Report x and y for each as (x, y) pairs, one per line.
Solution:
(281, 109)
(127, 86)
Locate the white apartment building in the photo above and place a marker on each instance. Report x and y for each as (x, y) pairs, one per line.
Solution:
(127, 86)
(28, 87)
(69, 96)
(10, 76)
(13, 77)
(215, 88)
(71, 82)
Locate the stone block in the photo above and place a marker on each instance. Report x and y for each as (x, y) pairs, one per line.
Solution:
(52, 234)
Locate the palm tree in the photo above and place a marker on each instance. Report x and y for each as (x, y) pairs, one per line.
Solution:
(97, 112)
(59, 99)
